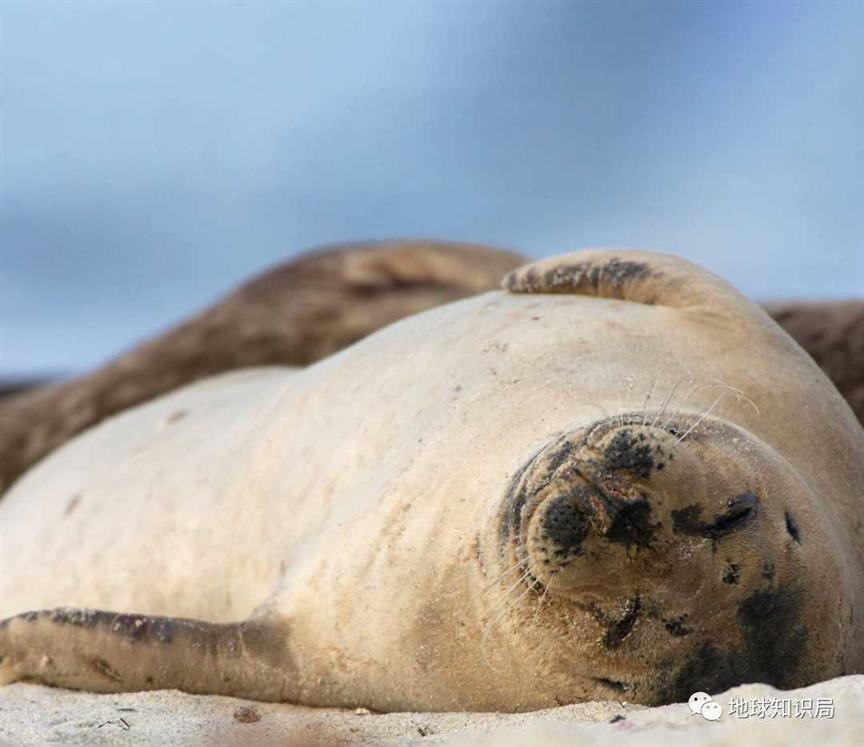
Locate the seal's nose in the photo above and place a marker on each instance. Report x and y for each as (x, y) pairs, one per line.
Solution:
(568, 520)
(626, 506)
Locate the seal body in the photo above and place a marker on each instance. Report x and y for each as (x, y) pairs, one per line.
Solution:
(618, 478)
(833, 333)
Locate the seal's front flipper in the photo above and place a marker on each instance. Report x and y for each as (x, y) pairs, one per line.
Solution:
(649, 278)
(109, 652)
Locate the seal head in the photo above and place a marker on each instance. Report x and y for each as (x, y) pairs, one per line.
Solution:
(642, 535)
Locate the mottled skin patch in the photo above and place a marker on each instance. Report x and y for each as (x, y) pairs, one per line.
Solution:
(122, 649)
(246, 715)
(772, 642)
(677, 626)
(619, 629)
(631, 453)
(579, 277)
(132, 627)
(731, 574)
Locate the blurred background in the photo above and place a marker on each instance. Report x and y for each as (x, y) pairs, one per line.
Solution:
(155, 154)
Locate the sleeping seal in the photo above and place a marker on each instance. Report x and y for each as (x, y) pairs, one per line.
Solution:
(617, 478)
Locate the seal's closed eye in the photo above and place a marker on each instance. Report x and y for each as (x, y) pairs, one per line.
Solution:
(656, 557)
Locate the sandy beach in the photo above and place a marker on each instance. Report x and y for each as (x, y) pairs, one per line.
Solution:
(35, 715)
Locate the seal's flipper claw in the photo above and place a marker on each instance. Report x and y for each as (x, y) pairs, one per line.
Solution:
(110, 652)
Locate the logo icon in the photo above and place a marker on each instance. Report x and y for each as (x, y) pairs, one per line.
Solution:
(702, 704)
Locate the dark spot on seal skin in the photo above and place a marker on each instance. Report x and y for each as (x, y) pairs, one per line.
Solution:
(163, 630)
(617, 272)
(578, 277)
(676, 626)
(687, 520)
(792, 528)
(564, 278)
(620, 629)
(768, 571)
(565, 524)
(631, 525)
(132, 627)
(772, 643)
(618, 687)
(73, 616)
(740, 512)
(625, 453)
(73, 503)
(246, 715)
(731, 574)
(175, 417)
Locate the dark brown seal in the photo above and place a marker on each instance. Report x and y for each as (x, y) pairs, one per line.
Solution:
(833, 334)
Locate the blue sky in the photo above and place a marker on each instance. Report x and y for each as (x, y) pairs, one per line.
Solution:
(153, 155)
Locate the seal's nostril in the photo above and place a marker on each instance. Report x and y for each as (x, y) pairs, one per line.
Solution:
(565, 524)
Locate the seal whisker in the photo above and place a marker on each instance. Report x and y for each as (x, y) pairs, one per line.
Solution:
(540, 604)
(516, 601)
(499, 576)
(629, 398)
(701, 418)
(502, 597)
(619, 417)
(695, 387)
(699, 387)
(647, 401)
(666, 402)
(738, 395)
